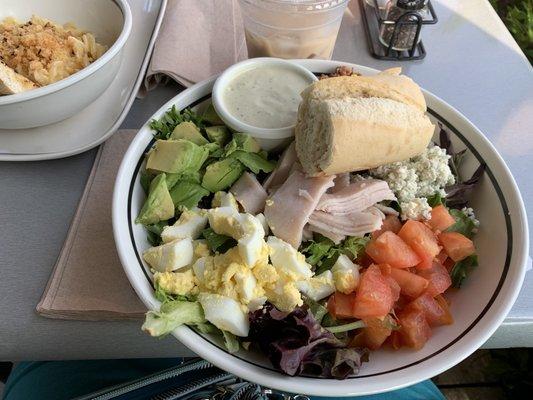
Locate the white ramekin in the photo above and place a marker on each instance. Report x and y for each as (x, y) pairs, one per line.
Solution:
(268, 139)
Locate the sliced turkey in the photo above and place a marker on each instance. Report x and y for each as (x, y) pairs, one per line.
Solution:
(355, 197)
(357, 223)
(249, 193)
(288, 209)
(282, 170)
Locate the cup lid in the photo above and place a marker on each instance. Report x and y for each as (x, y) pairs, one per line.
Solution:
(298, 5)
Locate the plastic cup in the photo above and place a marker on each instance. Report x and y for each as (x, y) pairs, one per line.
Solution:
(292, 28)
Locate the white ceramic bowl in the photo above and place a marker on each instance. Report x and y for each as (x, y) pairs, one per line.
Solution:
(478, 308)
(108, 20)
(269, 139)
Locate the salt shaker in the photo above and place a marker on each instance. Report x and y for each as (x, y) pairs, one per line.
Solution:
(406, 36)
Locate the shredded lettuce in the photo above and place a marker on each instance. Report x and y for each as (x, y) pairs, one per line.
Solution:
(346, 327)
(230, 341)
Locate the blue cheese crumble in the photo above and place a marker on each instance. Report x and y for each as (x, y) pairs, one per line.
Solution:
(414, 180)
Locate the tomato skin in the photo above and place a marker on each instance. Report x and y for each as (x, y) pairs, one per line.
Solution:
(433, 311)
(441, 219)
(422, 240)
(414, 329)
(340, 305)
(373, 296)
(410, 284)
(438, 277)
(443, 303)
(390, 249)
(373, 335)
(456, 245)
(442, 257)
(390, 223)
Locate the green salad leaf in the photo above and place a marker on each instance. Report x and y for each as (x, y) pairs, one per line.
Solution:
(435, 200)
(463, 224)
(154, 232)
(187, 194)
(346, 327)
(253, 161)
(318, 310)
(164, 126)
(322, 252)
(462, 268)
(172, 315)
(216, 242)
(231, 342)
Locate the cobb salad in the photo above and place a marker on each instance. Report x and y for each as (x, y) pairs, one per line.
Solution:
(314, 272)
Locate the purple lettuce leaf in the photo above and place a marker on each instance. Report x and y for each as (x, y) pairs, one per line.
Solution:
(297, 344)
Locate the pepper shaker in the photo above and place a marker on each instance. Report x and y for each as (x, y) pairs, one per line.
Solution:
(406, 33)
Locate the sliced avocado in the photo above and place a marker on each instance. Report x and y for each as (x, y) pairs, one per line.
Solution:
(158, 205)
(253, 161)
(189, 131)
(221, 174)
(218, 134)
(176, 156)
(242, 141)
(211, 116)
(187, 194)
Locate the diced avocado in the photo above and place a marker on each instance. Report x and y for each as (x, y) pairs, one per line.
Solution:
(218, 134)
(211, 116)
(172, 179)
(221, 174)
(189, 131)
(176, 156)
(187, 194)
(158, 205)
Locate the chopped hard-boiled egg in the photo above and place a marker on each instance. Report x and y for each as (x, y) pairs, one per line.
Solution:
(225, 199)
(225, 313)
(170, 256)
(345, 274)
(189, 225)
(200, 249)
(318, 286)
(287, 259)
(245, 228)
(181, 283)
(262, 219)
(284, 294)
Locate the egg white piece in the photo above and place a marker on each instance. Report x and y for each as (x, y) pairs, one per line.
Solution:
(190, 224)
(170, 256)
(262, 219)
(287, 259)
(345, 274)
(252, 246)
(225, 199)
(225, 313)
(199, 267)
(318, 287)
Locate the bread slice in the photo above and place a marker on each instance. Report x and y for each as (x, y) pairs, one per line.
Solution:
(388, 84)
(12, 82)
(354, 134)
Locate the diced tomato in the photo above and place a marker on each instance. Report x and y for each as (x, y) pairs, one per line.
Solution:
(385, 269)
(457, 245)
(442, 257)
(438, 277)
(388, 248)
(390, 223)
(422, 240)
(410, 284)
(373, 296)
(395, 340)
(374, 334)
(364, 260)
(435, 314)
(443, 303)
(449, 264)
(440, 219)
(414, 328)
(340, 305)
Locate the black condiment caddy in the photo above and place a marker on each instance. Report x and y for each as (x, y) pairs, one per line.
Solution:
(373, 23)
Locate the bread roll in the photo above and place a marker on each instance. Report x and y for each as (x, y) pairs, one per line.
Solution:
(353, 123)
(12, 82)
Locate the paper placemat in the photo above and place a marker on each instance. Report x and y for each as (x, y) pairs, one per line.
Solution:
(88, 282)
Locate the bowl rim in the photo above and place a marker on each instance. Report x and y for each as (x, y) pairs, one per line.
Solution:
(225, 78)
(480, 331)
(84, 72)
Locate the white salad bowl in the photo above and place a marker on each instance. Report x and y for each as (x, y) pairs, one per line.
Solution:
(108, 20)
(478, 307)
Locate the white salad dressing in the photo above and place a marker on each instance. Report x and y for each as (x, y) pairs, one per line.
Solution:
(266, 96)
